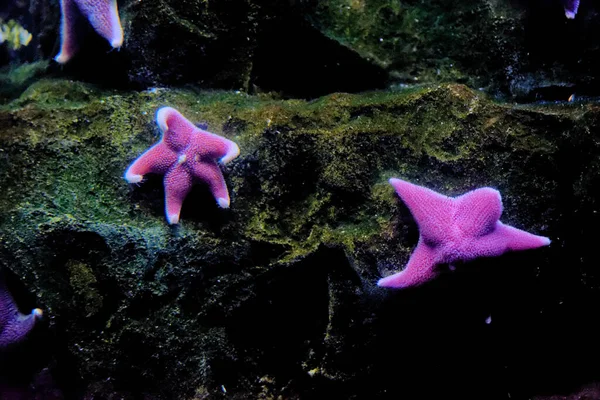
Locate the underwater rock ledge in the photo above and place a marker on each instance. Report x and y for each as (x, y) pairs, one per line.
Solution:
(523, 50)
(277, 296)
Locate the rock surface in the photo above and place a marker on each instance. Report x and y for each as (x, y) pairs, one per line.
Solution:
(524, 50)
(276, 296)
(247, 45)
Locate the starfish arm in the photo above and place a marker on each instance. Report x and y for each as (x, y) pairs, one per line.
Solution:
(216, 146)
(571, 7)
(157, 159)
(18, 328)
(432, 211)
(104, 18)
(504, 238)
(477, 212)
(68, 42)
(517, 239)
(178, 183)
(212, 175)
(176, 129)
(7, 304)
(420, 269)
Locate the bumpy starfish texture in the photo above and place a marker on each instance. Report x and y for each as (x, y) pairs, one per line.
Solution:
(571, 7)
(14, 326)
(455, 229)
(103, 15)
(184, 154)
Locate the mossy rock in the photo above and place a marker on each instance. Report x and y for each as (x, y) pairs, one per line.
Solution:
(525, 50)
(254, 46)
(166, 43)
(277, 295)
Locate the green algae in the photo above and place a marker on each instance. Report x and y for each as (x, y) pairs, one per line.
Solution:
(336, 142)
(15, 79)
(82, 280)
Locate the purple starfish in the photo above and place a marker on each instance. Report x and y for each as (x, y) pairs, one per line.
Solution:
(571, 7)
(102, 15)
(455, 229)
(14, 326)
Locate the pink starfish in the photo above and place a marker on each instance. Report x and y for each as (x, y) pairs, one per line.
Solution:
(184, 154)
(102, 14)
(455, 229)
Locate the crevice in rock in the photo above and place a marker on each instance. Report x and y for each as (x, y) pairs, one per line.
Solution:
(296, 60)
(287, 317)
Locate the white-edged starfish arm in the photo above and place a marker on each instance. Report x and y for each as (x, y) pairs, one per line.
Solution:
(68, 39)
(14, 326)
(157, 159)
(517, 239)
(169, 118)
(19, 327)
(212, 175)
(504, 238)
(104, 18)
(217, 147)
(571, 8)
(232, 152)
(178, 183)
(419, 269)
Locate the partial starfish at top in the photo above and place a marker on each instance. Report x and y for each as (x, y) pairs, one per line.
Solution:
(455, 229)
(571, 7)
(102, 15)
(184, 154)
(14, 326)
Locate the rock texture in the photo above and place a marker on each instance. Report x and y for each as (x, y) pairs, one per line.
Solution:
(247, 45)
(523, 50)
(276, 297)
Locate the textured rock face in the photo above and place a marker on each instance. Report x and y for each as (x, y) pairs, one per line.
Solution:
(523, 50)
(173, 41)
(276, 296)
(526, 50)
(244, 45)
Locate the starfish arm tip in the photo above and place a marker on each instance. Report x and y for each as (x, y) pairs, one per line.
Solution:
(232, 153)
(389, 281)
(117, 42)
(37, 313)
(61, 58)
(223, 203)
(133, 178)
(571, 11)
(173, 219)
(161, 117)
